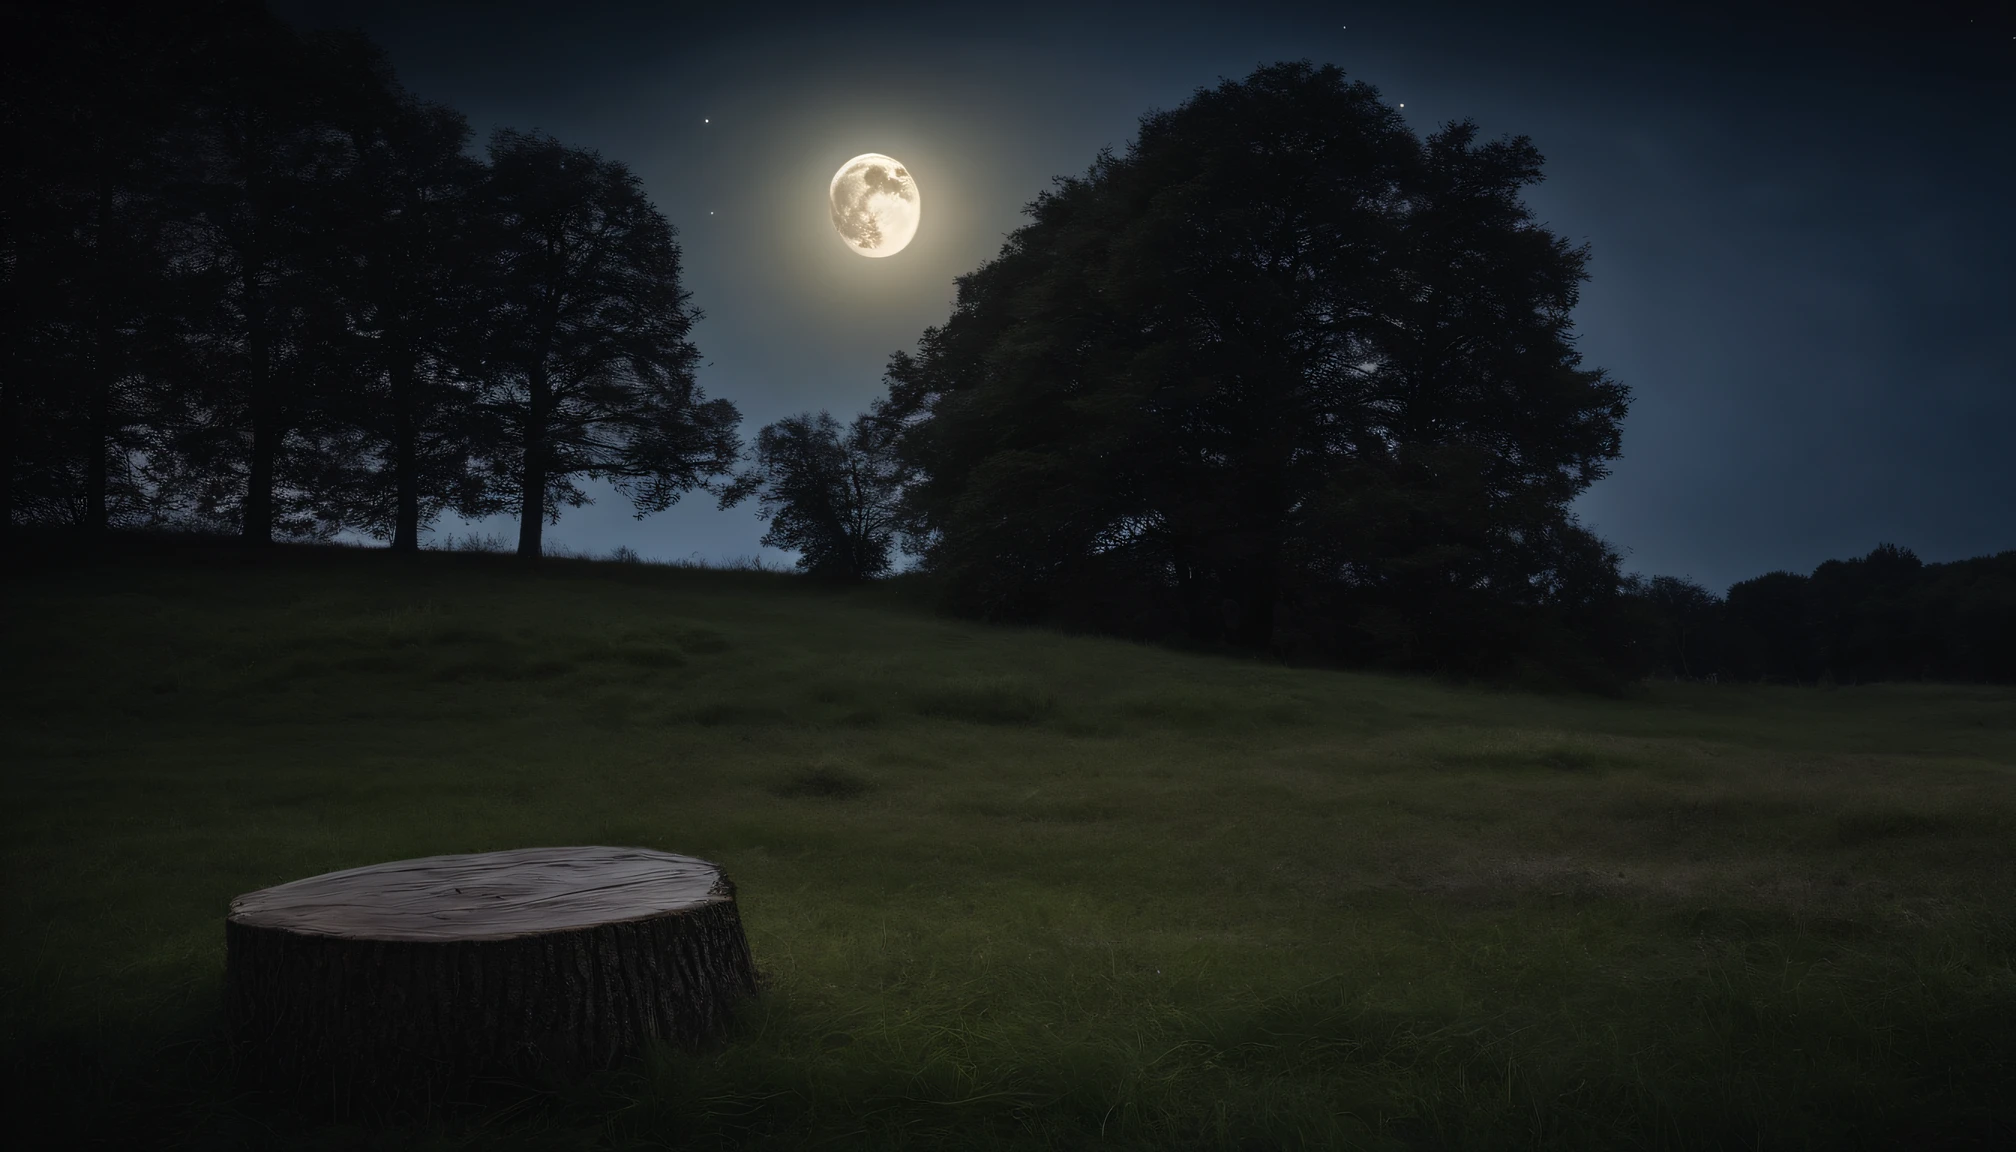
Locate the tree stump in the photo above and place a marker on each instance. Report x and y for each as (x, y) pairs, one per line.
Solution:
(402, 982)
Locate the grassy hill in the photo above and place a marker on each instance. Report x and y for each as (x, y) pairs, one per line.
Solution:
(1011, 888)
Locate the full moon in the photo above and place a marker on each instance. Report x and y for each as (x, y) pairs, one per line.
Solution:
(875, 204)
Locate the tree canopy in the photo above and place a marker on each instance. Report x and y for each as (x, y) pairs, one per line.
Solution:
(1282, 365)
(412, 289)
(256, 286)
(588, 371)
(832, 497)
(1884, 616)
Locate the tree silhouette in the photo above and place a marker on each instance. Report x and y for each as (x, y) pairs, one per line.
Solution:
(413, 305)
(587, 370)
(252, 282)
(1965, 616)
(1688, 635)
(1862, 618)
(1281, 347)
(1884, 616)
(832, 497)
(1770, 630)
(94, 94)
(262, 250)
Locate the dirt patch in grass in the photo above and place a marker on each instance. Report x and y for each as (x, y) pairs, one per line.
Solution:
(1868, 825)
(986, 700)
(823, 782)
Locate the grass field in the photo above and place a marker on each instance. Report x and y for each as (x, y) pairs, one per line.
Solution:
(1010, 888)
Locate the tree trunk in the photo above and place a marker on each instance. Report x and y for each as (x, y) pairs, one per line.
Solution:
(396, 985)
(1257, 577)
(97, 418)
(1256, 613)
(532, 502)
(98, 399)
(1201, 614)
(259, 477)
(258, 510)
(9, 397)
(405, 458)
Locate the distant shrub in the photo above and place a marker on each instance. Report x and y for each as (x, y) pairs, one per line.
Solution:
(491, 542)
(693, 561)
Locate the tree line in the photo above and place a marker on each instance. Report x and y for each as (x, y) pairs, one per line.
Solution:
(1282, 377)
(254, 285)
(1286, 378)
(1884, 616)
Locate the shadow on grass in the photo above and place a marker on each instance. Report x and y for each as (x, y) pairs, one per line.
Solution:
(824, 783)
(986, 700)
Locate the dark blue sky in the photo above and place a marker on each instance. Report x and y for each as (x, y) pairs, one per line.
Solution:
(1800, 222)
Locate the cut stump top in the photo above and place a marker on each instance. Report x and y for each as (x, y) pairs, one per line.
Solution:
(487, 895)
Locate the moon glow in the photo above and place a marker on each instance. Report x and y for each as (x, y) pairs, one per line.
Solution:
(875, 204)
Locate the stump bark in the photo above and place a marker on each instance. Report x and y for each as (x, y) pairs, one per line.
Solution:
(403, 982)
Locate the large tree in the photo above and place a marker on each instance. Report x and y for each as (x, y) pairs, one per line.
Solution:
(263, 324)
(1282, 348)
(408, 282)
(93, 98)
(830, 495)
(588, 369)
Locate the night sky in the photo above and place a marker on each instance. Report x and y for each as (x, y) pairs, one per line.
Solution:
(1800, 224)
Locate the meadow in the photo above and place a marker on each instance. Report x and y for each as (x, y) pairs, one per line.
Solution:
(1011, 888)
